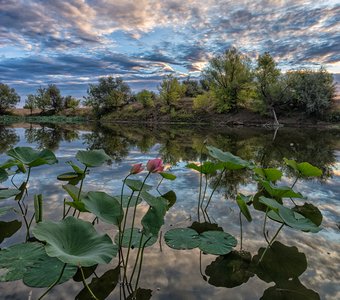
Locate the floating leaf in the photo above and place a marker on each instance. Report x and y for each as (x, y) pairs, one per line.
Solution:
(182, 238)
(7, 229)
(75, 241)
(206, 168)
(168, 176)
(269, 174)
(216, 242)
(230, 270)
(231, 162)
(92, 158)
(46, 271)
(104, 206)
(280, 263)
(280, 191)
(102, 286)
(241, 201)
(16, 259)
(33, 158)
(311, 212)
(126, 200)
(8, 193)
(136, 236)
(136, 185)
(171, 198)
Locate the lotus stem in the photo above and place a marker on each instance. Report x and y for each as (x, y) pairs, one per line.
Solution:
(85, 284)
(140, 263)
(137, 257)
(214, 189)
(240, 216)
(205, 191)
(54, 283)
(271, 241)
(125, 219)
(264, 227)
(81, 183)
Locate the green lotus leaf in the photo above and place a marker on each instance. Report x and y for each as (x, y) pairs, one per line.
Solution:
(46, 271)
(31, 157)
(230, 161)
(87, 271)
(77, 205)
(269, 174)
(140, 294)
(280, 263)
(102, 286)
(92, 158)
(280, 191)
(171, 198)
(68, 176)
(136, 236)
(15, 260)
(3, 175)
(182, 238)
(241, 201)
(305, 169)
(73, 191)
(7, 229)
(136, 185)
(310, 211)
(8, 193)
(168, 176)
(5, 209)
(230, 270)
(75, 241)
(104, 206)
(205, 226)
(126, 200)
(38, 208)
(216, 242)
(75, 168)
(206, 168)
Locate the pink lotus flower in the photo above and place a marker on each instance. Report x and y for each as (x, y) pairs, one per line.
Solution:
(137, 168)
(155, 165)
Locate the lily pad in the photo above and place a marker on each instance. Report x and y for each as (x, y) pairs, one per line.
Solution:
(136, 185)
(217, 242)
(8, 193)
(92, 158)
(136, 236)
(15, 260)
(230, 161)
(46, 271)
(104, 206)
(241, 201)
(31, 157)
(75, 241)
(7, 229)
(182, 238)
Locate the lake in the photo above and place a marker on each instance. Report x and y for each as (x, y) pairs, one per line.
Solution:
(303, 263)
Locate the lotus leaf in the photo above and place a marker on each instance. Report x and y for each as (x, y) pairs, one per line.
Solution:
(136, 236)
(8, 193)
(182, 238)
(7, 229)
(75, 241)
(241, 201)
(216, 242)
(92, 158)
(136, 185)
(168, 176)
(33, 158)
(230, 161)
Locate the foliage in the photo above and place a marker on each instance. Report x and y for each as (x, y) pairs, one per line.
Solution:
(146, 98)
(228, 75)
(192, 88)
(108, 95)
(30, 103)
(71, 102)
(206, 101)
(49, 98)
(311, 91)
(8, 97)
(171, 91)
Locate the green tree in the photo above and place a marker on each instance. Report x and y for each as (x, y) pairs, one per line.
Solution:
(171, 91)
(30, 103)
(108, 95)
(312, 92)
(269, 83)
(146, 98)
(229, 76)
(49, 98)
(192, 88)
(71, 102)
(8, 97)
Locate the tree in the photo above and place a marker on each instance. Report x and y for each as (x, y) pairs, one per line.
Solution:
(108, 95)
(192, 88)
(228, 75)
(71, 102)
(171, 91)
(30, 103)
(146, 98)
(312, 92)
(269, 84)
(8, 97)
(49, 98)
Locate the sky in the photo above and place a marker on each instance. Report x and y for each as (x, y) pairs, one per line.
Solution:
(73, 43)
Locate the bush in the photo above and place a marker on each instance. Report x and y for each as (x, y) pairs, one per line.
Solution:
(206, 102)
(146, 98)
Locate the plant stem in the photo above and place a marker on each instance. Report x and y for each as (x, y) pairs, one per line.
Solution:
(81, 183)
(271, 242)
(240, 216)
(205, 191)
(140, 263)
(264, 226)
(54, 283)
(137, 257)
(86, 285)
(125, 219)
(214, 189)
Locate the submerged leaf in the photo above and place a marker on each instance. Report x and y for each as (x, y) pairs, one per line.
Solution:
(75, 241)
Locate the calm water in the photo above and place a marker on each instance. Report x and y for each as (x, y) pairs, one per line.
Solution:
(172, 274)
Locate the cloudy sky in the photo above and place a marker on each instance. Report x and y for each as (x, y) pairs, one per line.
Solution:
(72, 43)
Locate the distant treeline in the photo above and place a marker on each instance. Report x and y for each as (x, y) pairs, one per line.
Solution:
(230, 82)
